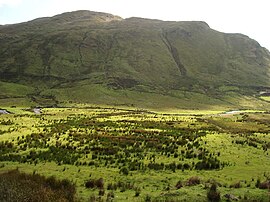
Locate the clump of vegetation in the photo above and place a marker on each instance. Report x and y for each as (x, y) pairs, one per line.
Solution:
(236, 185)
(195, 180)
(263, 185)
(123, 186)
(137, 191)
(213, 194)
(179, 184)
(94, 198)
(148, 198)
(101, 192)
(6, 122)
(18, 186)
(124, 170)
(110, 196)
(95, 183)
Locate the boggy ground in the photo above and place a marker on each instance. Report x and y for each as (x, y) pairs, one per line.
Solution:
(137, 155)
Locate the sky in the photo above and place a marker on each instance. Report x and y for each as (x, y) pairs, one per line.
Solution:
(249, 17)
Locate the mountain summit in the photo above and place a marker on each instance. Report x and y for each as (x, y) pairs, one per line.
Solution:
(99, 58)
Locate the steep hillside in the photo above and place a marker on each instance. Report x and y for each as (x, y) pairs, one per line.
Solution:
(99, 58)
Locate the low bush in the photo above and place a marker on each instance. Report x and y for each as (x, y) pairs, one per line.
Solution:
(17, 186)
(137, 191)
(193, 181)
(236, 185)
(264, 185)
(213, 194)
(101, 192)
(179, 184)
(124, 170)
(95, 183)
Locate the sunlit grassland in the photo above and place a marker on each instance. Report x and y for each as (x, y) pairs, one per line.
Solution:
(267, 98)
(248, 163)
(158, 149)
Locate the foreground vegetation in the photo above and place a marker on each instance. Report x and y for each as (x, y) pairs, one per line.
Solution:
(125, 154)
(16, 186)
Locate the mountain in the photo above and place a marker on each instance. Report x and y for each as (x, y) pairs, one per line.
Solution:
(99, 58)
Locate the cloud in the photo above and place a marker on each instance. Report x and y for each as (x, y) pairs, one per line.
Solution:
(9, 2)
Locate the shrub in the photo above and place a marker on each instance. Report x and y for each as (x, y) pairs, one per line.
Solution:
(17, 186)
(257, 183)
(100, 183)
(110, 195)
(124, 170)
(236, 185)
(94, 198)
(101, 192)
(186, 166)
(213, 194)
(179, 184)
(193, 181)
(110, 186)
(90, 184)
(148, 198)
(264, 185)
(122, 188)
(137, 191)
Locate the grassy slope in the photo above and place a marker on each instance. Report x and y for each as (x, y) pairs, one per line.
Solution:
(88, 94)
(13, 94)
(57, 55)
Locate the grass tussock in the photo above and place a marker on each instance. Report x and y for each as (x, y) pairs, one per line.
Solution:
(18, 186)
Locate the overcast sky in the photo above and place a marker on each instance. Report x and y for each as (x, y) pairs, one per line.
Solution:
(249, 17)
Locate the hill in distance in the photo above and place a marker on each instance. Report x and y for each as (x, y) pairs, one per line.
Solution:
(98, 58)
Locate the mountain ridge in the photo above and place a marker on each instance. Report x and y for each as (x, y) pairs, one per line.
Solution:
(110, 54)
